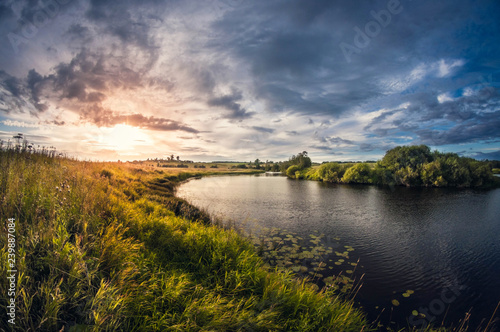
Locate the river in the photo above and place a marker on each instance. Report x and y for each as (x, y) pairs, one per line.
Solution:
(441, 244)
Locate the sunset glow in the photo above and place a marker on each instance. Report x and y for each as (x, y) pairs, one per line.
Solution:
(225, 80)
(123, 137)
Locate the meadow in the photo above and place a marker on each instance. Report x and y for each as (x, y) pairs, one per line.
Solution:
(107, 247)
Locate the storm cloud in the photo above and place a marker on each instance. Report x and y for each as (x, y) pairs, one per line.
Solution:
(356, 77)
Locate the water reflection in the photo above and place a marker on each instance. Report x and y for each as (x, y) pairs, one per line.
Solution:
(423, 239)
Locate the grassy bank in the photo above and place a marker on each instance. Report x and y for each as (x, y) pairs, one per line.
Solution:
(107, 247)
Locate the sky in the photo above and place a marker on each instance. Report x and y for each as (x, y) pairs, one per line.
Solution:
(246, 79)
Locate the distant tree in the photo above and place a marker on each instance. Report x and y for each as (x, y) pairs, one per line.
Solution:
(172, 157)
(301, 160)
(257, 163)
(178, 158)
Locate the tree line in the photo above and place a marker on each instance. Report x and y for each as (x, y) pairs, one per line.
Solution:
(411, 166)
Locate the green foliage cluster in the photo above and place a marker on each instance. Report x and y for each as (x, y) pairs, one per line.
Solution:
(411, 166)
(242, 166)
(100, 247)
(418, 166)
(173, 165)
(296, 163)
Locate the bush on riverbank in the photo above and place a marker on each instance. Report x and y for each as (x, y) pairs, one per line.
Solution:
(411, 166)
(105, 247)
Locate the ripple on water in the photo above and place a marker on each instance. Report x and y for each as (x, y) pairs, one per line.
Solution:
(426, 240)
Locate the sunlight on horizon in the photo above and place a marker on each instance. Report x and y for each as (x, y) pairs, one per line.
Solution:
(123, 137)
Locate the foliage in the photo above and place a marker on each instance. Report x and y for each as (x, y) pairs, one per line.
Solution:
(402, 157)
(257, 163)
(417, 166)
(290, 172)
(359, 173)
(412, 166)
(332, 172)
(243, 166)
(301, 160)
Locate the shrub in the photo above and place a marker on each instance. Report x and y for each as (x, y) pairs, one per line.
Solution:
(290, 172)
(359, 173)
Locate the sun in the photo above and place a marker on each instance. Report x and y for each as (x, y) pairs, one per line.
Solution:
(124, 137)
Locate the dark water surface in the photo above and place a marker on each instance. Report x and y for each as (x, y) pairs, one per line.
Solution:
(444, 244)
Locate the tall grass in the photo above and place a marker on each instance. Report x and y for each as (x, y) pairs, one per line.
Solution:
(105, 247)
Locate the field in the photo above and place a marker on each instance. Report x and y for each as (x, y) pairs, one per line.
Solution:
(107, 247)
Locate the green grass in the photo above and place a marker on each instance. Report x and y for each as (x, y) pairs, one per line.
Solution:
(107, 247)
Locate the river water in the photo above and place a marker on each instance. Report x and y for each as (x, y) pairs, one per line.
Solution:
(443, 244)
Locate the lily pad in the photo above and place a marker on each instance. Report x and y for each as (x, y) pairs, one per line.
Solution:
(395, 302)
(414, 313)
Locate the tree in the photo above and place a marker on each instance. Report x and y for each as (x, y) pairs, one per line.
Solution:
(301, 160)
(332, 172)
(178, 158)
(403, 156)
(257, 163)
(359, 173)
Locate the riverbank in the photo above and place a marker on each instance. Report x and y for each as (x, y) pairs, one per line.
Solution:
(393, 239)
(106, 246)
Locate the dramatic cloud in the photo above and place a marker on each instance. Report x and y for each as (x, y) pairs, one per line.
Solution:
(230, 102)
(347, 80)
